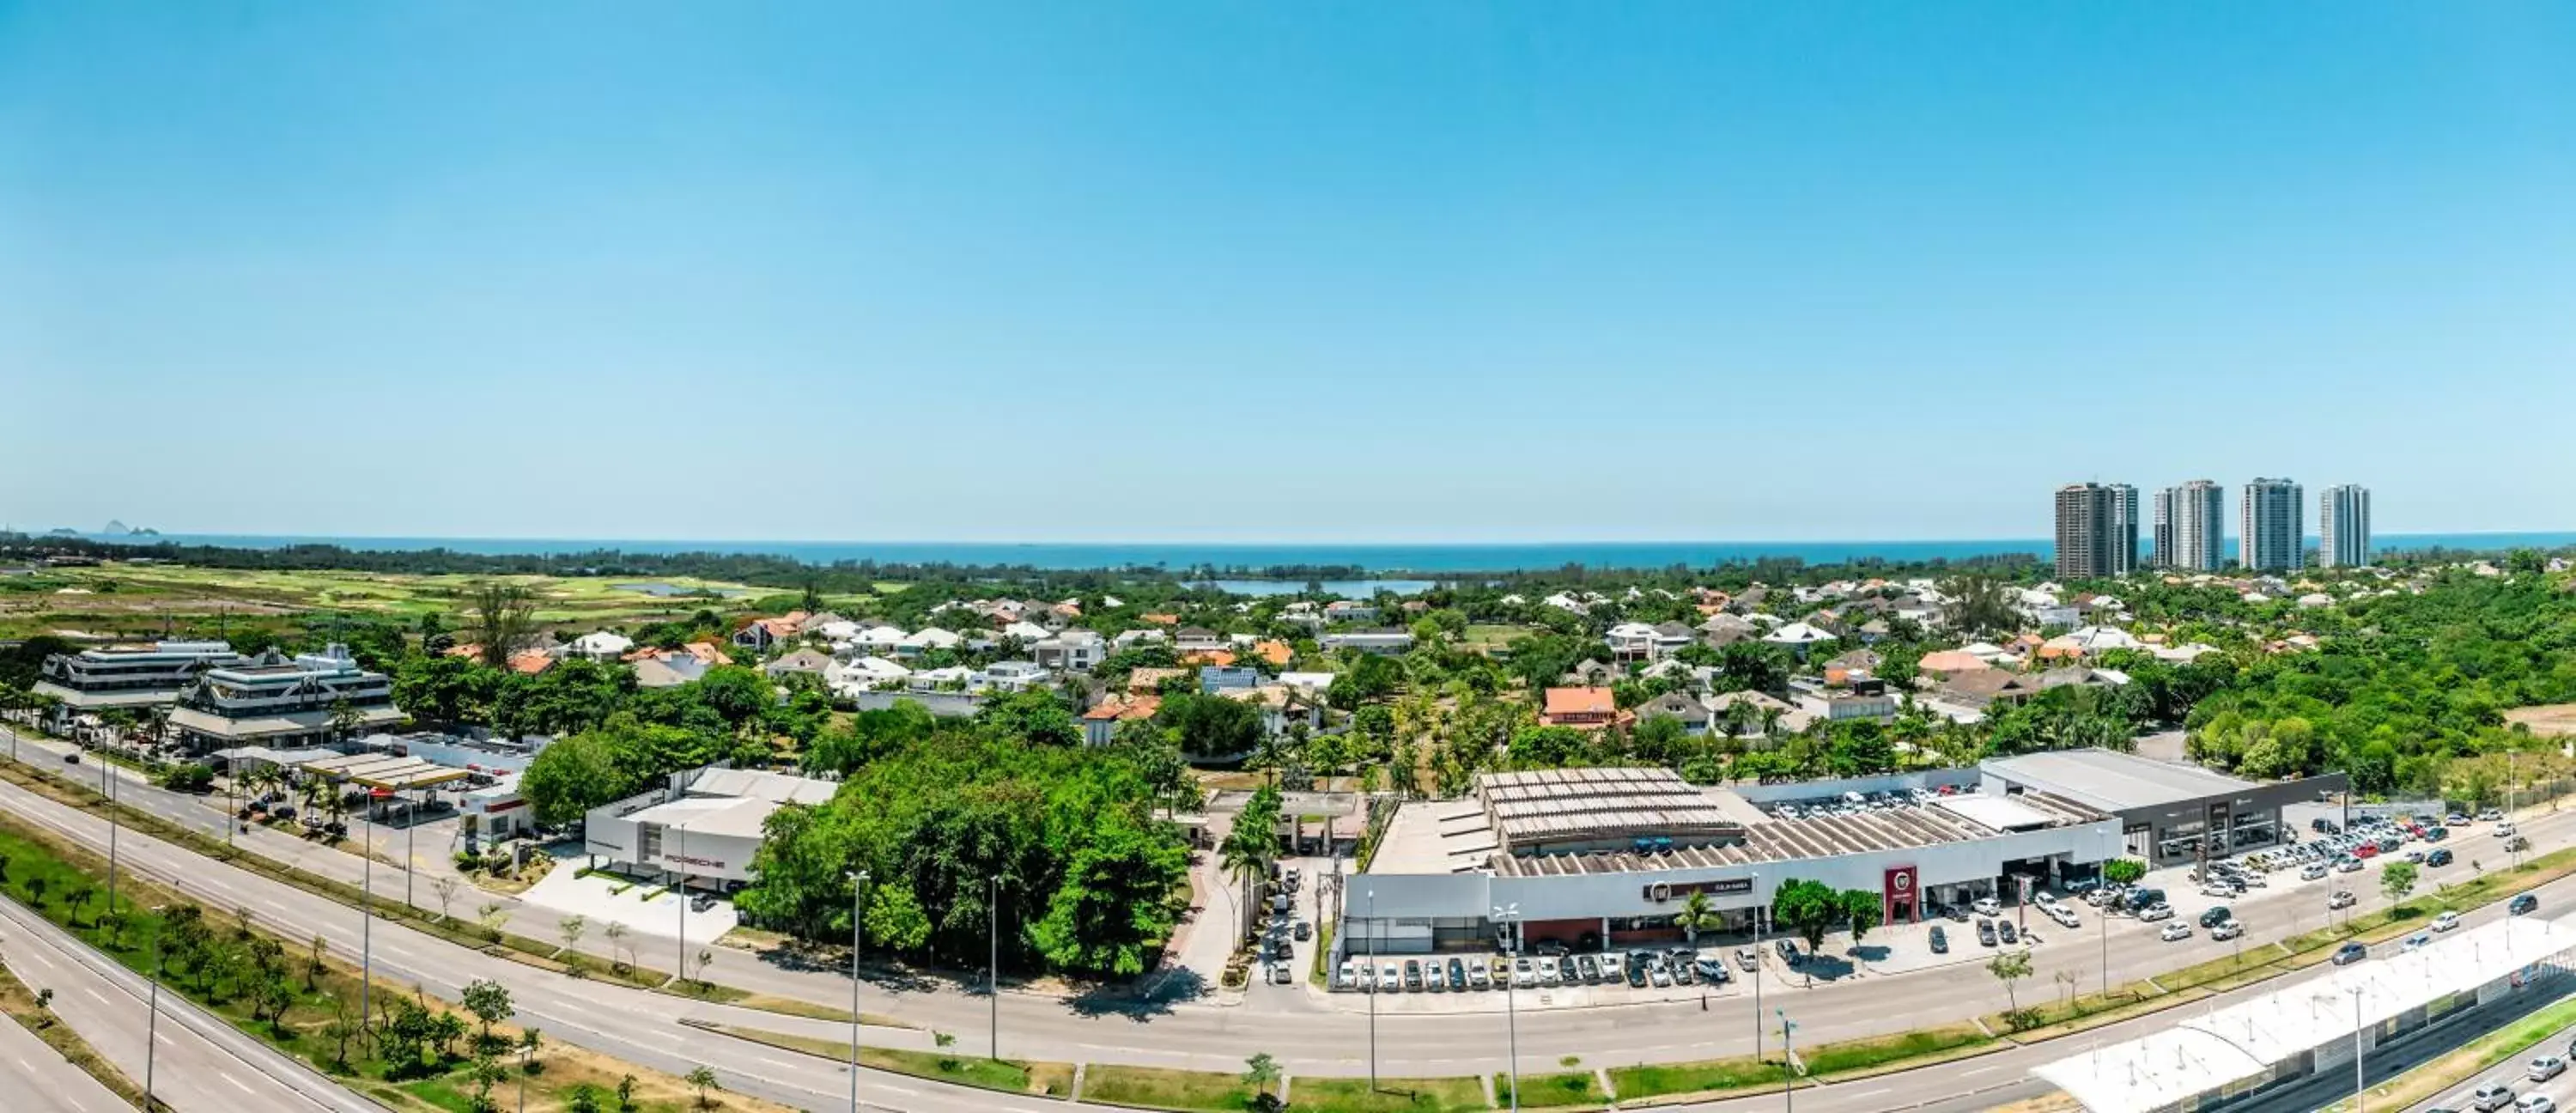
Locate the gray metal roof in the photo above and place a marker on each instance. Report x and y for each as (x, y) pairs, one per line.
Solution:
(2114, 781)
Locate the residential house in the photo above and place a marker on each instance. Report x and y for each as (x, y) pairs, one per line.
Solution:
(1023, 630)
(668, 672)
(1948, 663)
(1012, 676)
(1864, 661)
(1591, 673)
(1798, 636)
(1630, 641)
(1581, 708)
(1380, 642)
(1760, 711)
(863, 675)
(1314, 684)
(879, 639)
(927, 639)
(601, 646)
(1143, 635)
(1071, 651)
(1192, 639)
(1986, 688)
(1675, 705)
(1350, 610)
(1278, 653)
(1100, 724)
(761, 633)
(803, 660)
(1149, 680)
(1281, 707)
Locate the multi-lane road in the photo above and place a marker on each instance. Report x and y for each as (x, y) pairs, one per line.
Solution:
(1308, 1037)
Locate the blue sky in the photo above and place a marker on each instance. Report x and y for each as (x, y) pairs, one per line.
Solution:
(1196, 271)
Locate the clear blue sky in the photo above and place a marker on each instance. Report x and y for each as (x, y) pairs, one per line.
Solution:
(1295, 271)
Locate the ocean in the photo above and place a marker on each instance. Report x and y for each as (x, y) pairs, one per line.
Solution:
(1430, 558)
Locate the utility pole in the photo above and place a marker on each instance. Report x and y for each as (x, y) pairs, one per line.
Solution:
(2359, 1091)
(152, 1026)
(1788, 1061)
(1507, 915)
(858, 887)
(366, 928)
(1757, 966)
(993, 973)
(1370, 979)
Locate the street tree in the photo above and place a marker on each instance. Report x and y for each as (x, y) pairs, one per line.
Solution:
(490, 1003)
(2009, 967)
(703, 1080)
(2396, 879)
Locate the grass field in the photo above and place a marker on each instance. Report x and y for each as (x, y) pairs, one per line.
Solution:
(1552, 1091)
(125, 600)
(1156, 1088)
(1393, 1095)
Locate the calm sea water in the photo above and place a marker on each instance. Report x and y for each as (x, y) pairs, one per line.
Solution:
(1428, 558)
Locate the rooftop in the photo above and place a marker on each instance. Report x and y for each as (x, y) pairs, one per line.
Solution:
(1570, 805)
(2114, 781)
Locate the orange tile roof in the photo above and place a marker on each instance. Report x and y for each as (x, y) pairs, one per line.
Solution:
(1275, 652)
(530, 662)
(1580, 701)
(1162, 619)
(1125, 710)
(1218, 657)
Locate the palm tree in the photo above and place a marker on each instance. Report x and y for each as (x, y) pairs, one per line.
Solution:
(1697, 915)
(1244, 857)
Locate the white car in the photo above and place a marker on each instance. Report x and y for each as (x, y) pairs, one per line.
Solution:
(2312, 871)
(2534, 1103)
(2342, 898)
(1986, 906)
(2154, 912)
(1390, 979)
(2501, 830)
(2175, 930)
(1524, 975)
(2446, 921)
(2416, 942)
(2545, 1068)
(1348, 976)
(2229, 929)
(2064, 916)
(1548, 973)
(2492, 1096)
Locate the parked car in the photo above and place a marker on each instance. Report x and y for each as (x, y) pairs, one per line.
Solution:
(1390, 978)
(1940, 940)
(1347, 976)
(1413, 975)
(1477, 977)
(2312, 871)
(1549, 972)
(1524, 973)
(2005, 929)
(1280, 975)
(1656, 974)
(1711, 969)
(1457, 976)
(2350, 953)
(1637, 969)
(2522, 904)
(2446, 921)
(1680, 964)
(1986, 906)
(1788, 951)
(1588, 967)
(2366, 850)
(1305, 931)
(2154, 912)
(2175, 930)
(2064, 915)
(2348, 864)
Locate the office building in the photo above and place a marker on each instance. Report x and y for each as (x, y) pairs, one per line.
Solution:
(2190, 526)
(2271, 531)
(2343, 526)
(271, 700)
(129, 676)
(2084, 531)
(2124, 529)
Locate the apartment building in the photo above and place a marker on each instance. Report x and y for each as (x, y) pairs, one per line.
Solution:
(2085, 537)
(2191, 523)
(2343, 526)
(2271, 527)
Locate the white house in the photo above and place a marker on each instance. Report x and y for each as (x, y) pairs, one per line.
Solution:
(928, 638)
(1630, 641)
(1142, 635)
(1071, 651)
(602, 646)
(1027, 631)
(1013, 676)
(879, 639)
(864, 674)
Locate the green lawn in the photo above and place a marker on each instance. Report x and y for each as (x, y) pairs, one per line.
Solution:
(1157, 1088)
(1703, 1076)
(1007, 1075)
(1393, 1095)
(1549, 1091)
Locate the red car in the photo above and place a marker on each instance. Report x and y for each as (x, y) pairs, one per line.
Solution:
(2366, 850)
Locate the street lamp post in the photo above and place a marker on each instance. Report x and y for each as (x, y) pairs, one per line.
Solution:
(1788, 1060)
(1507, 914)
(152, 1025)
(2358, 1089)
(682, 890)
(366, 923)
(993, 973)
(107, 788)
(1757, 966)
(2105, 919)
(858, 887)
(1373, 987)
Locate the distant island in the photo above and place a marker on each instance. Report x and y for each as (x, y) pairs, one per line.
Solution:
(119, 529)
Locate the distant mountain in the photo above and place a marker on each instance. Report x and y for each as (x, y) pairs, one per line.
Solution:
(64, 532)
(115, 528)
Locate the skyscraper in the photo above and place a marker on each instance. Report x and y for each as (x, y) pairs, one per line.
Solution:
(2084, 531)
(2343, 526)
(2271, 534)
(2190, 524)
(2124, 530)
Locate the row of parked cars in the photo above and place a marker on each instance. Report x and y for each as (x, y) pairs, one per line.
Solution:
(1459, 974)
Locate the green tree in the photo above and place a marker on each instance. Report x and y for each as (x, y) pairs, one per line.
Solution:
(895, 920)
(2396, 879)
(490, 1003)
(1698, 915)
(1809, 908)
(501, 618)
(1261, 1072)
(2009, 967)
(2123, 871)
(703, 1080)
(1211, 726)
(1861, 911)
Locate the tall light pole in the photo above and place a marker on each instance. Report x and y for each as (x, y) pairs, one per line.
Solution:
(2104, 916)
(681, 888)
(2358, 1089)
(1372, 988)
(107, 788)
(858, 888)
(1757, 966)
(1506, 914)
(366, 921)
(993, 973)
(411, 823)
(1788, 1061)
(152, 1026)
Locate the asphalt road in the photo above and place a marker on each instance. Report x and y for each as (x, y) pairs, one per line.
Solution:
(39, 1081)
(2511, 1073)
(202, 1063)
(1322, 1038)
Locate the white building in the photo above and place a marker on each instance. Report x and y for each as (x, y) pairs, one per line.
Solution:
(2190, 523)
(2343, 521)
(282, 702)
(704, 825)
(95, 680)
(1071, 651)
(1381, 642)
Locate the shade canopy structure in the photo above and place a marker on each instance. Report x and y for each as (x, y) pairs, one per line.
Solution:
(394, 774)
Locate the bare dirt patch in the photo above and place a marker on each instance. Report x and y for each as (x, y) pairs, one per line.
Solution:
(2548, 720)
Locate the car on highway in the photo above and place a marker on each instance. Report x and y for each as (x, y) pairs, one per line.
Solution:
(2490, 815)
(2546, 1067)
(2534, 1103)
(2227, 929)
(1305, 931)
(2175, 930)
(2492, 1096)
(2502, 830)
(2522, 904)
(2416, 942)
(2446, 921)
(1940, 940)
(2440, 857)
(2350, 953)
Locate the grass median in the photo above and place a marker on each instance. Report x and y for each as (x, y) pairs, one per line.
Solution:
(2468, 1060)
(417, 1054)
(22, 1005)
(1580, 1089)
(1391, 1095)
(1010, 1076)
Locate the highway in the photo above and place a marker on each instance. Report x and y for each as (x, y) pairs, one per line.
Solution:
(203, 1063)
(1320, 1039)
(39, 1081)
